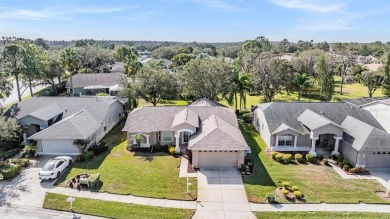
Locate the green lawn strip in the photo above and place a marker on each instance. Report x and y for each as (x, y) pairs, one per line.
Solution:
(112, 209)
(320, 215)
(318, 183)
(141, 174)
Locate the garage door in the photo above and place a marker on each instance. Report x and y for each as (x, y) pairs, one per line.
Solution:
(218, 158)
(59, 147)
(381, 160)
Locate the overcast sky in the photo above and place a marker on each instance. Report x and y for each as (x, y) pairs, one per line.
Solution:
(197, 20)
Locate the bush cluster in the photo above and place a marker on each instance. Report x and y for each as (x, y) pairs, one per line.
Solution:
(273, 154)
(287, 158)
(298, 158)
(279, 157)
(23, 162)
(100, 149)
(171, 149)
(285, 191)
(298, 194)
(309, 158)
(326, 162)
(87, 155)
(10, 171)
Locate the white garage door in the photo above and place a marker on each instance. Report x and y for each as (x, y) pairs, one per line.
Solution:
(59, 147)
(217, 159)
(378, 160)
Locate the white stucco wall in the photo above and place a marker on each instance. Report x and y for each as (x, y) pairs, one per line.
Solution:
(263, 127)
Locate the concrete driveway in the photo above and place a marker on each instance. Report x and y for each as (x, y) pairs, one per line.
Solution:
(221, 194)
(382, 175)
(26, 189)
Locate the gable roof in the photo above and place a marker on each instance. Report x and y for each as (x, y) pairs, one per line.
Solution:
(118, 67)
(278, 113)
(314, 121)
(216, 134)
(186, 116)
(102, 79)
(72, 127)
(284, 127)
(47, 112)
(205, 102)
(364, 137)
(96, 106)
(160, 118)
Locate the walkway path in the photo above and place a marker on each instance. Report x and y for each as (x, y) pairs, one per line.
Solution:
(167, 203)
(221, 194)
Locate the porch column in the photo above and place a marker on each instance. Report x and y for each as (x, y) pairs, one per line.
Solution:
(313, 146)
(134, 141)
(295, 141)
(147, 140)
(336, 145)
(277, 141)
(177, 146)
(25, 137)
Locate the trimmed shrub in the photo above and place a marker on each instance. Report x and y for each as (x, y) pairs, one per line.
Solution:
(346, 162)
(271, 199)
(298, 194)
(87, 155)
(100, 149)
(346, 167)
(273, 154)
(171, 149)
(287, 158)
(24, 162)
(247, 118)
(10, 172)
(340, 158)
(320, 157)
(295, 188)
(10, 153)
(326, 162)
(298, 158)
(279, 157)
(309, 157)
(285, 192)
(285, 184)
(94, 180)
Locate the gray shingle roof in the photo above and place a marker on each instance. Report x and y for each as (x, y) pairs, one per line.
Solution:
(161, 118)
(205, 102)
(216, 134)
(313, 121)
(278, 113)
(118, 67)
(364, 137)
(47, 112)
(360, 101)
(85, 80)
(72, 127)
(96, 106)
(186, 116)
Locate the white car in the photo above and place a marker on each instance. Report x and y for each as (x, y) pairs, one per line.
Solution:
(54, 167)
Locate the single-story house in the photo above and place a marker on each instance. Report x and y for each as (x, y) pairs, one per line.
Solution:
(117, 67)
(210, 131)
(379, 108)
(56, 122)
(322, 129)
(91, 84)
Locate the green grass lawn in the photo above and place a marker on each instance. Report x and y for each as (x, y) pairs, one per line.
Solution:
(321, 215)
(110, 209)
(141, 174)
(318, 183)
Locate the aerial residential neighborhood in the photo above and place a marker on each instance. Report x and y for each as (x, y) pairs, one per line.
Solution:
(194, 109)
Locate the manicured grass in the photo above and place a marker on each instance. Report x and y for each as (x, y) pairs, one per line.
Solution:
(141, 174)
(142, 102)
(318, 183)
(112, 209)
(320, 215)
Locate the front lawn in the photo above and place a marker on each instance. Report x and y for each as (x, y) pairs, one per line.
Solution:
(110, 209)
(321, 215)
(318, 183)
(141, 174)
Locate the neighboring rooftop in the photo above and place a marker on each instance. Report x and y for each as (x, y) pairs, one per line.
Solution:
(365, 101)
(102, 79)
(205, 102)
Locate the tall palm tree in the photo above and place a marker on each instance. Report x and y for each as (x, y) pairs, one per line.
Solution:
(132, 65)
(301, 82)
(243, 83)
(70, 60)
(344, 69)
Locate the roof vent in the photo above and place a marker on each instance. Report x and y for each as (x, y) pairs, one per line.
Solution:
(322, 113)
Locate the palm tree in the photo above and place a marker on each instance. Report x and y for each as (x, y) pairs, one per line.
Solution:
(132, 65)
(344, 69)
(358, 71)
(156, 64)
(81, 143)
(243, 85)
(301, 82)
(70, 60)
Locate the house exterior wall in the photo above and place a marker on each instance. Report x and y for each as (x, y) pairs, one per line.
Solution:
(262, 126)
(32, 120)
(78, 90)
(350, 153)
(328, 129)
(110, 120)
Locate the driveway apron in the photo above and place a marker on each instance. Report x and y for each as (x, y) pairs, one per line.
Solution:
(221, 194)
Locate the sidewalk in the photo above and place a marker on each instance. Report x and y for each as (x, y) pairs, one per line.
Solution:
(165, 203)
(321, 207)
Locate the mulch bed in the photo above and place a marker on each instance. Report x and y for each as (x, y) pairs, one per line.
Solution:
(75, 184)
(290, 197)
(191, 169)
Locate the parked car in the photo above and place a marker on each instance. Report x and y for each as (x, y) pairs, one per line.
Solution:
(54, 167)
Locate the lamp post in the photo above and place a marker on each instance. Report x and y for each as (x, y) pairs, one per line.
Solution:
(188, 184)
(71, 200)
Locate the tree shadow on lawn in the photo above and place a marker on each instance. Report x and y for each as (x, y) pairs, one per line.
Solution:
(260, 174)
(147, 156)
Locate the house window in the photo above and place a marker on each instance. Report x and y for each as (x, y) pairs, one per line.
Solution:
(185, 137)
(167, 136)
(285, 140)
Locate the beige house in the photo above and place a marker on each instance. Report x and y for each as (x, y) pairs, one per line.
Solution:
(209, 130)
